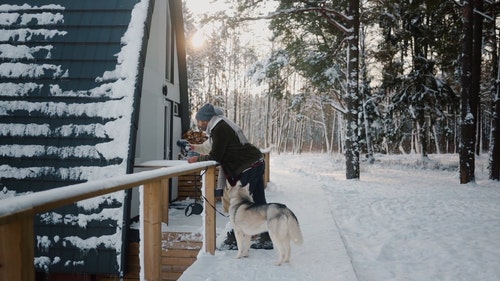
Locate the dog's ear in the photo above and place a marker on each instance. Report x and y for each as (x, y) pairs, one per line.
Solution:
(229, 188)
(243, 188)
(246, 188)
(239, 184)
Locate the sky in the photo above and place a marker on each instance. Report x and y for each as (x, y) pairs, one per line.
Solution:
(203, 6)
(258, 31)
(403, 220)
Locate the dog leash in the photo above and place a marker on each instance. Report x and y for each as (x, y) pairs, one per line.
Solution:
(206, 200)
(215, 208)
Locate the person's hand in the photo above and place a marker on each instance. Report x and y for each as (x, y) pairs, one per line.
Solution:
(193, 159)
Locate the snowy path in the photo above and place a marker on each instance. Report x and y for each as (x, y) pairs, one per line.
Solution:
(322, 257)
(401, 221)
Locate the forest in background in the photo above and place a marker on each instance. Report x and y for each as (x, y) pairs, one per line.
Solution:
(292, 90)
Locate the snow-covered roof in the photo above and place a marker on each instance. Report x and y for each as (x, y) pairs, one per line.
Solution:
(69, 76)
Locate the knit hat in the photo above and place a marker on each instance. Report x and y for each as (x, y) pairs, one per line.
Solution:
(218, 110)
(206, 112)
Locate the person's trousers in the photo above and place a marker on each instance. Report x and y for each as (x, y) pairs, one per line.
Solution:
(255, 177)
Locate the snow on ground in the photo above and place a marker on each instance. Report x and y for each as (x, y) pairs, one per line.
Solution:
(405, 219)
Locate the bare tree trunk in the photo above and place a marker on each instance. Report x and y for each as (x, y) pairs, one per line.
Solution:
(477, 47)
(414, 148)
(288, 127)
(277, 127)
(495, 140)
(422, 134)
(341, 133)
(267, 116)
(332, 134)
(324, 126)
(309, 128)
(436, 140)
(479, 132)
(352, 97)
(467, 110)
(494, 161)
(369, 146)
(282, 126)
(299, 135)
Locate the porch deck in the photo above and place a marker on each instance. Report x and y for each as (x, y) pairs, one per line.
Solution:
(179, 251)
(17, 231)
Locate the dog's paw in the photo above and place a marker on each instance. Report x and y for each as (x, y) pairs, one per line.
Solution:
(278, 263)
(242, 253)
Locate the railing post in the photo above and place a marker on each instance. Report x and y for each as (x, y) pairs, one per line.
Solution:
(267, 171)
(17, 249)
(152, 230)
(209, 210)
(165, 199)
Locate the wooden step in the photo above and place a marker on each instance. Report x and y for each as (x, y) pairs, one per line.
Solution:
(179, 251)
(170, 276)
(172, 268)
(182, 240)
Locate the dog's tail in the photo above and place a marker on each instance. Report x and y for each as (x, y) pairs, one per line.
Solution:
(294, 229)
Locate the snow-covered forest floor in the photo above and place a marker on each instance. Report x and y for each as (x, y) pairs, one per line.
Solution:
(403, 220)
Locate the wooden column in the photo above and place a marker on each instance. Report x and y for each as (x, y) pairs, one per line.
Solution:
(267, 171)
(17, 249)
(210, 180)
(165, 199)
(152, 231)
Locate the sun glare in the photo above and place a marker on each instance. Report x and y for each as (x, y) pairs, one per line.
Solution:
(198, 39)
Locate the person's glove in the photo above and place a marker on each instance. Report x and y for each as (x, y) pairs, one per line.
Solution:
(192, 153)
(184, 144)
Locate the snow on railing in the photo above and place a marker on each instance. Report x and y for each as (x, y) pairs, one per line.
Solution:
(17, 216)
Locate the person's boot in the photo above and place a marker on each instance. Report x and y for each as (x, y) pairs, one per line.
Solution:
(230, 242)
(263, 242)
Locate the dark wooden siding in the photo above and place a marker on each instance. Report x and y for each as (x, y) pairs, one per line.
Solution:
(58, 122)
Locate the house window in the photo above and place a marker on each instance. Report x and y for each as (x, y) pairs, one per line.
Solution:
(176, 109)
(167, 131)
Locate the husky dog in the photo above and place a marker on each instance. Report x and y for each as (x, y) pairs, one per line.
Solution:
(250, 219)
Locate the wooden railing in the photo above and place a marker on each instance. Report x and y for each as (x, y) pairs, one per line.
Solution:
(17, 216)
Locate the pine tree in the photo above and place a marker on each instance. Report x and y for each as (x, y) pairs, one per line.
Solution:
(412, 56)
(467, 126)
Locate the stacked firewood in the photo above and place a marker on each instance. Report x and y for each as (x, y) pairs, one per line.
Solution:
(195, 137)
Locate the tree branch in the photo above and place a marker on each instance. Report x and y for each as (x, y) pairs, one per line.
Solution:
(328, 14)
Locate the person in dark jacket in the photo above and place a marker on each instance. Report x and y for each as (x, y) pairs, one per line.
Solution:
(240, 160)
